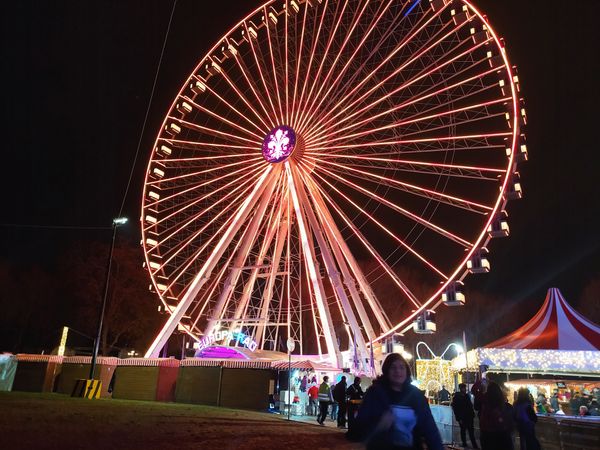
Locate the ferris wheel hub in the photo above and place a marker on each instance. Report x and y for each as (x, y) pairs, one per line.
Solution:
(279, 144)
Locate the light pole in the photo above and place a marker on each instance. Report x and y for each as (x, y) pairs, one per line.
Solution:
(115, 224)
(291, 345)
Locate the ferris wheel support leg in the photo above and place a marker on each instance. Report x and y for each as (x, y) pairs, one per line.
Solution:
(330, 264)
(204, 273)
(243, 253)
(268, 295)
(368, 293)
(242, 307)
(334, 237)
(309, 257)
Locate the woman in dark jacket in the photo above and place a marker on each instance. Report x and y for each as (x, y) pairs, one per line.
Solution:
(526, 419)
(394, 414)
(496, 421)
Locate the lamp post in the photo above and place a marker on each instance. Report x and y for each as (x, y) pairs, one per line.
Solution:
(115, 224)
(291, 345)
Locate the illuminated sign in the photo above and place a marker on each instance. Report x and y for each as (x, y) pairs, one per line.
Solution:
(225, 337)
(63, 341)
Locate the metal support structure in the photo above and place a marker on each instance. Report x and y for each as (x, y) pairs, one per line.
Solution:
(318, 290)
(242, 255)
(205, 271)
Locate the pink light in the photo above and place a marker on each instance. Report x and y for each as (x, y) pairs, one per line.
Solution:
(384, 228)
(279, 144)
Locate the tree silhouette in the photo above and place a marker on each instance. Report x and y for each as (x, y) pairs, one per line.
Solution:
(131, 317)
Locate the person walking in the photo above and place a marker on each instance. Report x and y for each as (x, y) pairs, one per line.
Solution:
(526, 419)
(339, 396)
(464, 414)
(313, 399)
(354, 394)
(496, 420)
(394, 413)
(325, 399)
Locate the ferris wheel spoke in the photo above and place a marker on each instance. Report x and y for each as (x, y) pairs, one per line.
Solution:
(202, 158)
(417, 166)
(187, 184)
(336, 148)
(298, 59)
(357, 18)
(412, 216)
(421, 258)
(315, 78)
(181, 207)
(369, 247)
(168, 180)
(213, 114)
(311, 57)
(186, 242)
(242, 97)
(420, 117)
(354, 89)
(213, 132)
(427, 71)
(409, 188)
(183, 242)
(258, 65)
(427, 95)
(209, 147)
(274, 69)
(254, 89)
(384, 8)
(230, 226)
(422, 75)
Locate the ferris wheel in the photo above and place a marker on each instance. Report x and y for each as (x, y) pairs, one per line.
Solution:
(331, 171)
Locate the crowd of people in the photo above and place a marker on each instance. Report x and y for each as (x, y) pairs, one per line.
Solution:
(394, 414)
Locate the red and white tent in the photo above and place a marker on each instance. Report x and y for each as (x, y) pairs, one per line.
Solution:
(556, 326)
(557, 340)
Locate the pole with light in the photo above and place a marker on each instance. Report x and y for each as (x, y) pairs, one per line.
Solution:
(291, 345)
(115, 224)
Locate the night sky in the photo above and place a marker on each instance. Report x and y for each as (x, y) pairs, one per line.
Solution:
(77, 78)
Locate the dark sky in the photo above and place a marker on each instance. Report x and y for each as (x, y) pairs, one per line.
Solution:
(76, 82)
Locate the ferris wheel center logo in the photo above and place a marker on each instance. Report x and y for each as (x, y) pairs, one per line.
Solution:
(279, 144)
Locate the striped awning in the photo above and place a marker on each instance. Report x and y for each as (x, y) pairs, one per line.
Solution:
(556, 326)
(25, 357)
(104, 360)
(149, 362)
(305, 365)
(226, 363)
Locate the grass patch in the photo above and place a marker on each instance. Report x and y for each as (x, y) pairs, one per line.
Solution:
(53, 421)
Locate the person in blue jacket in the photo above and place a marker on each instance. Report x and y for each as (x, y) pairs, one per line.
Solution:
(394, 414)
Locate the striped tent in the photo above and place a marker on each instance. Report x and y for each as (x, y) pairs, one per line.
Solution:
(556, 326)
(556, 341)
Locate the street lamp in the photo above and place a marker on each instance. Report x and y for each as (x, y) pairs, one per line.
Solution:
(115, 224)
(291, 345)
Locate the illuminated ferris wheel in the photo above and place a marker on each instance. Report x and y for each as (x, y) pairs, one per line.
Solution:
(331, 171)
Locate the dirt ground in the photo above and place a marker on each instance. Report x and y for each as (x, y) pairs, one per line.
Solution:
(53, 421)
